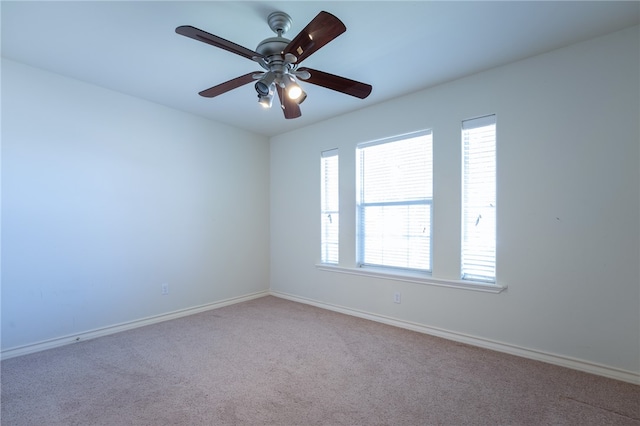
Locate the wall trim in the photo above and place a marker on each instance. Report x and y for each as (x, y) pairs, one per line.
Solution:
(550, 358)
(104, 331)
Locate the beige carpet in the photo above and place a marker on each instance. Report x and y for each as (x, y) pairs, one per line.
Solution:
(274, 362)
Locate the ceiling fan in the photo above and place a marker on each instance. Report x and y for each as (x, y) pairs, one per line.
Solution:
(281, 57)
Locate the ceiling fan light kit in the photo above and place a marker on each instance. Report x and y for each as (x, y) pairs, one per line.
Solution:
(281, 58)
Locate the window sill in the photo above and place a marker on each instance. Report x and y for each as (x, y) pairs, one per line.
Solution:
(414, 278)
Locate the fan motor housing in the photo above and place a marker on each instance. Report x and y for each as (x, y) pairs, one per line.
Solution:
(272, 46)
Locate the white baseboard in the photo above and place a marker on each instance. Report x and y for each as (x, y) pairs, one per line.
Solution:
(563, 361)
(99, 332)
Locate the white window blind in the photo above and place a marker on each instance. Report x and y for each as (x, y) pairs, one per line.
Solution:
(329, 207)
(395, 202)
(478, 257)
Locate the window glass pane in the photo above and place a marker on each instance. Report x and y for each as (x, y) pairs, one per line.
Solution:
(479, 199)
(398, 236)
(330, 211)
(398, 171)
(395, 202)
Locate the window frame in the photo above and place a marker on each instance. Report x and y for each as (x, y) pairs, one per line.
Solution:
(362, 205)
(480, 122)
(325, 251)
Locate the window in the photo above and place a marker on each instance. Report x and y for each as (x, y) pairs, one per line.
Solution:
(329, 207)
(395, 202)
(478, 257)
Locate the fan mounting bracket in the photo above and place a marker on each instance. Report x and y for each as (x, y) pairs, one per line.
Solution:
(279, 22)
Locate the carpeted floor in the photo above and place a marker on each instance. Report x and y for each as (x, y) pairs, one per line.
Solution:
(274, 362)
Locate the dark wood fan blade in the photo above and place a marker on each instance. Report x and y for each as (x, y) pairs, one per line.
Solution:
(205, 37)
(337, 83)
(290, 107)
(228, 85)
(320, 31)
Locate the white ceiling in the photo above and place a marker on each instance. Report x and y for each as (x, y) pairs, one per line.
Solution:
(398, 47)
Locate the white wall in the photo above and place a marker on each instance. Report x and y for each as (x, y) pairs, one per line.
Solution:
(105, 197)
(568, 205)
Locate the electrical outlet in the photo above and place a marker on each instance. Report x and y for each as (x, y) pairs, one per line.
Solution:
(396, 297)
(165, 289)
